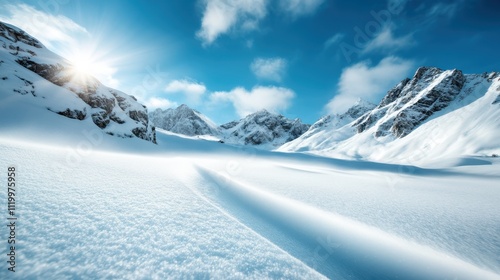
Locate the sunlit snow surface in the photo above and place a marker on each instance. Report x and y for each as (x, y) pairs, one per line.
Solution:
(96, 206)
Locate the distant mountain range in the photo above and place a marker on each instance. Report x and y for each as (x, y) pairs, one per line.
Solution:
(435, 113)
(262, 129)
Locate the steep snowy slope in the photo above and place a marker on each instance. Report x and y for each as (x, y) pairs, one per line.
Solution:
(435, 114)
(31, 75)
(263, 129)
(183, 120)
(334, 126)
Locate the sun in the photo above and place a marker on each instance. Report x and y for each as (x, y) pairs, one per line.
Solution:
(87, 65)
(84, 67)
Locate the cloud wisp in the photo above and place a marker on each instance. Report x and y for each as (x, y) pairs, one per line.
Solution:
(222, 16)
(271, 98)
(370, 83)
(47, 28)
(272, 69)
(385, 40)
(192, 90)
(297, 8)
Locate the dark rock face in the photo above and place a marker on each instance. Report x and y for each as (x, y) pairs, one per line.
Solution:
(74, 114)
(435, 88)
(15, 36)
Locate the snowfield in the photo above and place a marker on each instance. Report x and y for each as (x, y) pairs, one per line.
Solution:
(94, 206)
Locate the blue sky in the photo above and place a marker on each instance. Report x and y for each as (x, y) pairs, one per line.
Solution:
(229, 58)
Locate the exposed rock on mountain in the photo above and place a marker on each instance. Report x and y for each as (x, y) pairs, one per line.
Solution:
(28, 68)
(435, 113)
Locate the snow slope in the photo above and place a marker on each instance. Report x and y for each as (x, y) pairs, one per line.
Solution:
(433, 116)
(101, 206)
(32, 76)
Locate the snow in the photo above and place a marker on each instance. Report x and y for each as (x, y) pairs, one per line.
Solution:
(468, 126)
(100, 206)
(22, 89)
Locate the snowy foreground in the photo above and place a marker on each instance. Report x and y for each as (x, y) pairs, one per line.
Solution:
(94, 206)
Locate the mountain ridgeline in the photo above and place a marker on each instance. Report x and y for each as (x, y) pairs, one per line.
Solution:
(261, 129)
(435, 113)
(424, 116)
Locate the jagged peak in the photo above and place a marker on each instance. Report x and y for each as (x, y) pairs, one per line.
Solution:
(183, 107)
(14, 34)
(360, 102)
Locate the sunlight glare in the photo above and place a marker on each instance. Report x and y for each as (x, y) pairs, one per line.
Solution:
(87, 64)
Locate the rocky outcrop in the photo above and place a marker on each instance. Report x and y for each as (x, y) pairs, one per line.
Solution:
(411, 102)
(105, 105)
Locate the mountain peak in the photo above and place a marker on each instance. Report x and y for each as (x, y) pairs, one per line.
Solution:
(183, 107)
(261, 112)
(263, 129)
(183, 120)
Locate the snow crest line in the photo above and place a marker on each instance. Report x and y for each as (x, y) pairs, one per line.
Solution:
(334, 245)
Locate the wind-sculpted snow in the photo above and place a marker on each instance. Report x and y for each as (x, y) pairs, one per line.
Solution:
(189, 208)
(351, 249)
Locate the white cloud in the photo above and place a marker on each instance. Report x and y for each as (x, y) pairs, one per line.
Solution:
(269, 68)
(47, 28)
(220, 16)
(158, 102)
(298, 8)
(273, 99)
(444, 9)
(385, 40)
(192, 90)
(368, 83)
(335, 39)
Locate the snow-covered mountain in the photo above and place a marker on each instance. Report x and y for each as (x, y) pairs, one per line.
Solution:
(263, 129)
(437, 113)
(34, 78)
(183, 120)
